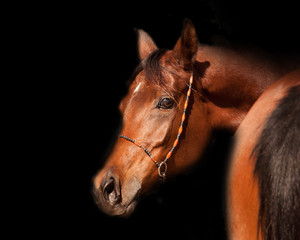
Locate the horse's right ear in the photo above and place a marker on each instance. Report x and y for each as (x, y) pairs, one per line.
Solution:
(187, 45)
(146, 45)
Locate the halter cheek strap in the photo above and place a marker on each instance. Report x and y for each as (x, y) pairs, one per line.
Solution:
(162, 167)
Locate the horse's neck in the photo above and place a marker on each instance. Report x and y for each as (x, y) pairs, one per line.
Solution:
(233, 82)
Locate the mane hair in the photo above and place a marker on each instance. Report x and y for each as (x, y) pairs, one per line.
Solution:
(151, 67)
(155, 72)
(278, 170)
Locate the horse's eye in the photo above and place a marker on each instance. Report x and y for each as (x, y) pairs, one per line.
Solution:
(166, 103)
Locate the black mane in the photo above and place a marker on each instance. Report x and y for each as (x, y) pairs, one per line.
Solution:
(278, 170)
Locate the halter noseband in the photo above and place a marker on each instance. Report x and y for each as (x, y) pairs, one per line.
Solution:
(162, 167)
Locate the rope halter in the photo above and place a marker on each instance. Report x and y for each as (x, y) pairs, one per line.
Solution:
(162, 166)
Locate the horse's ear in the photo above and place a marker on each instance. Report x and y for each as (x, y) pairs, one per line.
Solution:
(146, 45)
(187, 45)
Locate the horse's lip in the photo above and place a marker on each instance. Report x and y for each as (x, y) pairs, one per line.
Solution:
(123, 210)
(129, 208)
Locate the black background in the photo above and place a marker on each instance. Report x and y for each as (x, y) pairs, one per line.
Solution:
(90, 54)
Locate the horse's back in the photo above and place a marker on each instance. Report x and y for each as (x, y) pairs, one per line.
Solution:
(243, 192)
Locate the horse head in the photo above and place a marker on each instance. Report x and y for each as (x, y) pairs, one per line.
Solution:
(159, 123)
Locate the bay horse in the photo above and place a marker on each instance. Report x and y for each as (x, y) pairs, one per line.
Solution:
(264, 174)
(176, 100)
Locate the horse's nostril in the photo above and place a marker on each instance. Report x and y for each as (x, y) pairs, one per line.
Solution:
(111, 190)
(108, 190)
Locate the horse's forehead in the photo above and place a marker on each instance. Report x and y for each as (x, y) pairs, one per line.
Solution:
(140, 84)
(141, 90)
(143, 85)
(137, 88)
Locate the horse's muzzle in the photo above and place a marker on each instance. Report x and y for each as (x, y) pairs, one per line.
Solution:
(113, 200)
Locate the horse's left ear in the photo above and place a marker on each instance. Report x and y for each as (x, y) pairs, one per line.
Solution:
(187, 45)
(146, 45)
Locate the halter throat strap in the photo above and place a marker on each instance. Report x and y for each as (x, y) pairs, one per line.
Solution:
(162, 166)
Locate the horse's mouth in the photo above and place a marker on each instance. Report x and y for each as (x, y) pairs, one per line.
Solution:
(129, 208)
(119, 209)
